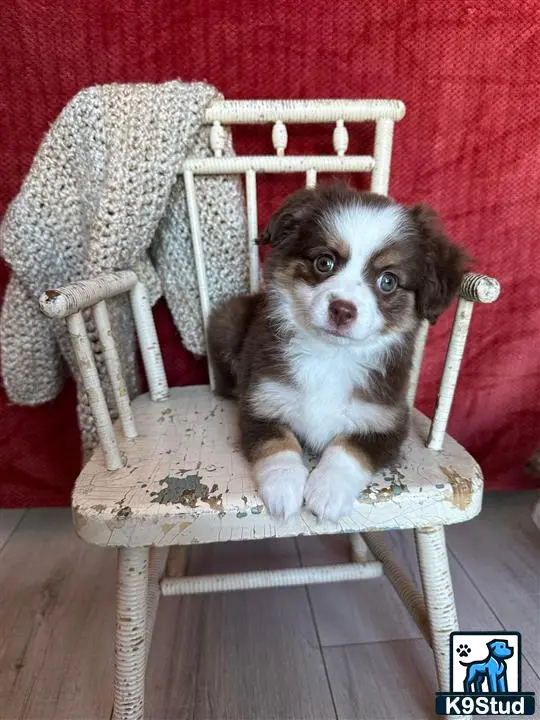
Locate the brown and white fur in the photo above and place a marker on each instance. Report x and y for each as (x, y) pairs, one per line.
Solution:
(322, 357)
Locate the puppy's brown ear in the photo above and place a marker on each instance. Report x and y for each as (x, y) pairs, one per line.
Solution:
(284, 222)
(443, 264)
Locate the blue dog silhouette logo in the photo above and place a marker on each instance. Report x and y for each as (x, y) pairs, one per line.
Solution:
(490, 673)
(485, 676)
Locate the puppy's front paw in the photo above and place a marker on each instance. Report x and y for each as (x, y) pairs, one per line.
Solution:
(334, 485)
(281, 479)
(327, 495)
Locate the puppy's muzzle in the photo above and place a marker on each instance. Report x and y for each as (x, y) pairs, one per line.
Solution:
(342, 313)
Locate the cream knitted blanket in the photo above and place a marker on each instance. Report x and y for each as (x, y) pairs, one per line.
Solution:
(104, 193)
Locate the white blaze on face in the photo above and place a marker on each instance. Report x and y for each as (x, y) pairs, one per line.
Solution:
(365, 230)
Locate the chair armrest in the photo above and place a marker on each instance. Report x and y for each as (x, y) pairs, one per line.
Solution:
(479, 288)
(80, 295)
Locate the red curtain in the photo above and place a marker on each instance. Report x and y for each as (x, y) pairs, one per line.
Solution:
(469, 72)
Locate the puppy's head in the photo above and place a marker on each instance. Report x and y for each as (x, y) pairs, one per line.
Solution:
(353, 266)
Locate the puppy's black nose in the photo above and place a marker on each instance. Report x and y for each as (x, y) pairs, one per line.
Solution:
(342, 313)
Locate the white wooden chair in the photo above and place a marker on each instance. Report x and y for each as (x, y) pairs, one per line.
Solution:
(169, 473)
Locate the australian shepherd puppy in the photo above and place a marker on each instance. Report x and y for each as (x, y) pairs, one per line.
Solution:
(321, 359)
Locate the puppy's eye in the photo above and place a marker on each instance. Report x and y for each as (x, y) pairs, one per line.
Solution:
(387, 283)
(324, 264)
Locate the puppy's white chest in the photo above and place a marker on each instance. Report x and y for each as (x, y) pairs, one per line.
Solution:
(325, 405)
(318, 403)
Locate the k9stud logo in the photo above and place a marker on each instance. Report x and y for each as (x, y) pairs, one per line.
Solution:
(485, 676)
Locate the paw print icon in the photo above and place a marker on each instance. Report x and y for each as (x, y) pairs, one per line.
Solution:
(463, 651)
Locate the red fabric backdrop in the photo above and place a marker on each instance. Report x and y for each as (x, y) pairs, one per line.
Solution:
(469, 72)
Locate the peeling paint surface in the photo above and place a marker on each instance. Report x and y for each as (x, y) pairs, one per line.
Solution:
(186, 482)
(188, 490)
(185, 490)
(462, 488)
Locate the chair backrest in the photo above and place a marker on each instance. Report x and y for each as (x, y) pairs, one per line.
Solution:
(69, 302)
(277, 114)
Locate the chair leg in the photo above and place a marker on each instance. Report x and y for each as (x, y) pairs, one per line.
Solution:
(359, 549)
(438, 597)
(177, 561)
(157, 560)
(131, 619)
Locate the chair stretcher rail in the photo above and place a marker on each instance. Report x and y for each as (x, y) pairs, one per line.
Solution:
(197, 584)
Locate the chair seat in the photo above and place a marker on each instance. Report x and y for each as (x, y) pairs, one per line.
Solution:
(185, 481)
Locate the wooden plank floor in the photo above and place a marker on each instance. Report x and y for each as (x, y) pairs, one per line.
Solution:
(339, 651)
